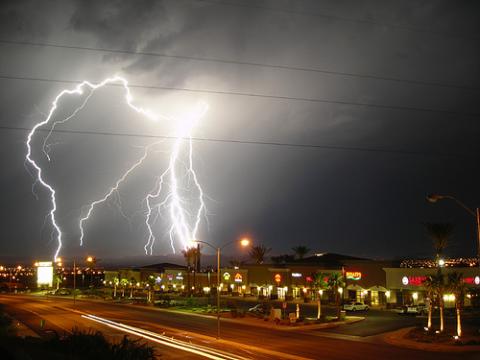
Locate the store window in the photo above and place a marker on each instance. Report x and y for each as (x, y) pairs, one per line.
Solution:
(296, 292)
(375, 298)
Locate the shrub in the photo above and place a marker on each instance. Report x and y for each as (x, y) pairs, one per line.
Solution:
(84, 345)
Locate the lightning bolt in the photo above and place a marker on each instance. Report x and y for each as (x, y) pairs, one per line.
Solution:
(173, 200)
(179, 210)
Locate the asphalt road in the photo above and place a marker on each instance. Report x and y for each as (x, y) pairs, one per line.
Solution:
(242, 340)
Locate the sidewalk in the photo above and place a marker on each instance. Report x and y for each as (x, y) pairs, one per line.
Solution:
(397, 338)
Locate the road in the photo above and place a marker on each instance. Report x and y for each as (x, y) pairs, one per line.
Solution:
(241, 340)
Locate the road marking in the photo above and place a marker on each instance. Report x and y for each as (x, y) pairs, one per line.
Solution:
(167, 341)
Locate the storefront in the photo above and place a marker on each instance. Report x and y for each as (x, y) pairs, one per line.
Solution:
(234, 281)
(406, 284)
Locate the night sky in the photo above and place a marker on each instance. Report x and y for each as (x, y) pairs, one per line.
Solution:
(386, 92)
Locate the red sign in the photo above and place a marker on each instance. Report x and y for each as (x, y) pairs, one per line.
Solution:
(278, 278)
(413, 280)
(472, 280)
(309, 279)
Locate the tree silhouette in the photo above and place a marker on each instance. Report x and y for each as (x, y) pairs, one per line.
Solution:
(258, 253)
(300, 251)
(440, 233)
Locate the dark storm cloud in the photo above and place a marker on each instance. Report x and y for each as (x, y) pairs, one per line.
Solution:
(355, 202)
(119, 24)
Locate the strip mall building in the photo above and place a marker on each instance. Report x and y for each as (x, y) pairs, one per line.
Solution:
(377, 283)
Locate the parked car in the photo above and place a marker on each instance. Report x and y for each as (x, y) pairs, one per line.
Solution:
(259, 309)
(62, 291)
(419, 309)
(355, 306)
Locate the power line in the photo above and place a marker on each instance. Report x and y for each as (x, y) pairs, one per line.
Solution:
(243, 63)
(256, 95)
(346, 19)
(247, 142)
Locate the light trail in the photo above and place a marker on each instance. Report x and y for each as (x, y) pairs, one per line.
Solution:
(180, 225)
(204, 351)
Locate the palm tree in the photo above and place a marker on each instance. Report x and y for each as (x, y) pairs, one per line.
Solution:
(335, 282)
(300, 251)
(150, 286)
(57, 279)
(258, 253)
(457, 286)
(115, 284)
(429, 286)
(132, 284)
(440, 233)
(438, 283)
(320, 284)
(124, 283)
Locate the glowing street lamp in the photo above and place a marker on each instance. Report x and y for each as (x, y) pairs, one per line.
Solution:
(244, 242)
(433, 198)
(90, 260)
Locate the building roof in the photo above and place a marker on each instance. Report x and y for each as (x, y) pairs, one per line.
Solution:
(161, 267)
(326, 259)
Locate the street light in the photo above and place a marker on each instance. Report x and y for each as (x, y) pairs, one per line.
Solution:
(433, 198)
(90, 260)
(244, 243)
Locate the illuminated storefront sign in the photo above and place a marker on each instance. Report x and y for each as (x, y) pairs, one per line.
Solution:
(353, 275)
(45, 273)
(296, 275)
(179, 276)
(226, 276)
(413, 280)
(278, 278)
(472, 280)
(309, 279)
(238, 277)
(170, 277)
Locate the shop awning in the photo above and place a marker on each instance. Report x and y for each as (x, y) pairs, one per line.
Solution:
(377, 288)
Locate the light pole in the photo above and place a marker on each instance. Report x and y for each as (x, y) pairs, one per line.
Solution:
(90, 260)
(74, 280)
(433, 198)
(243, 242)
